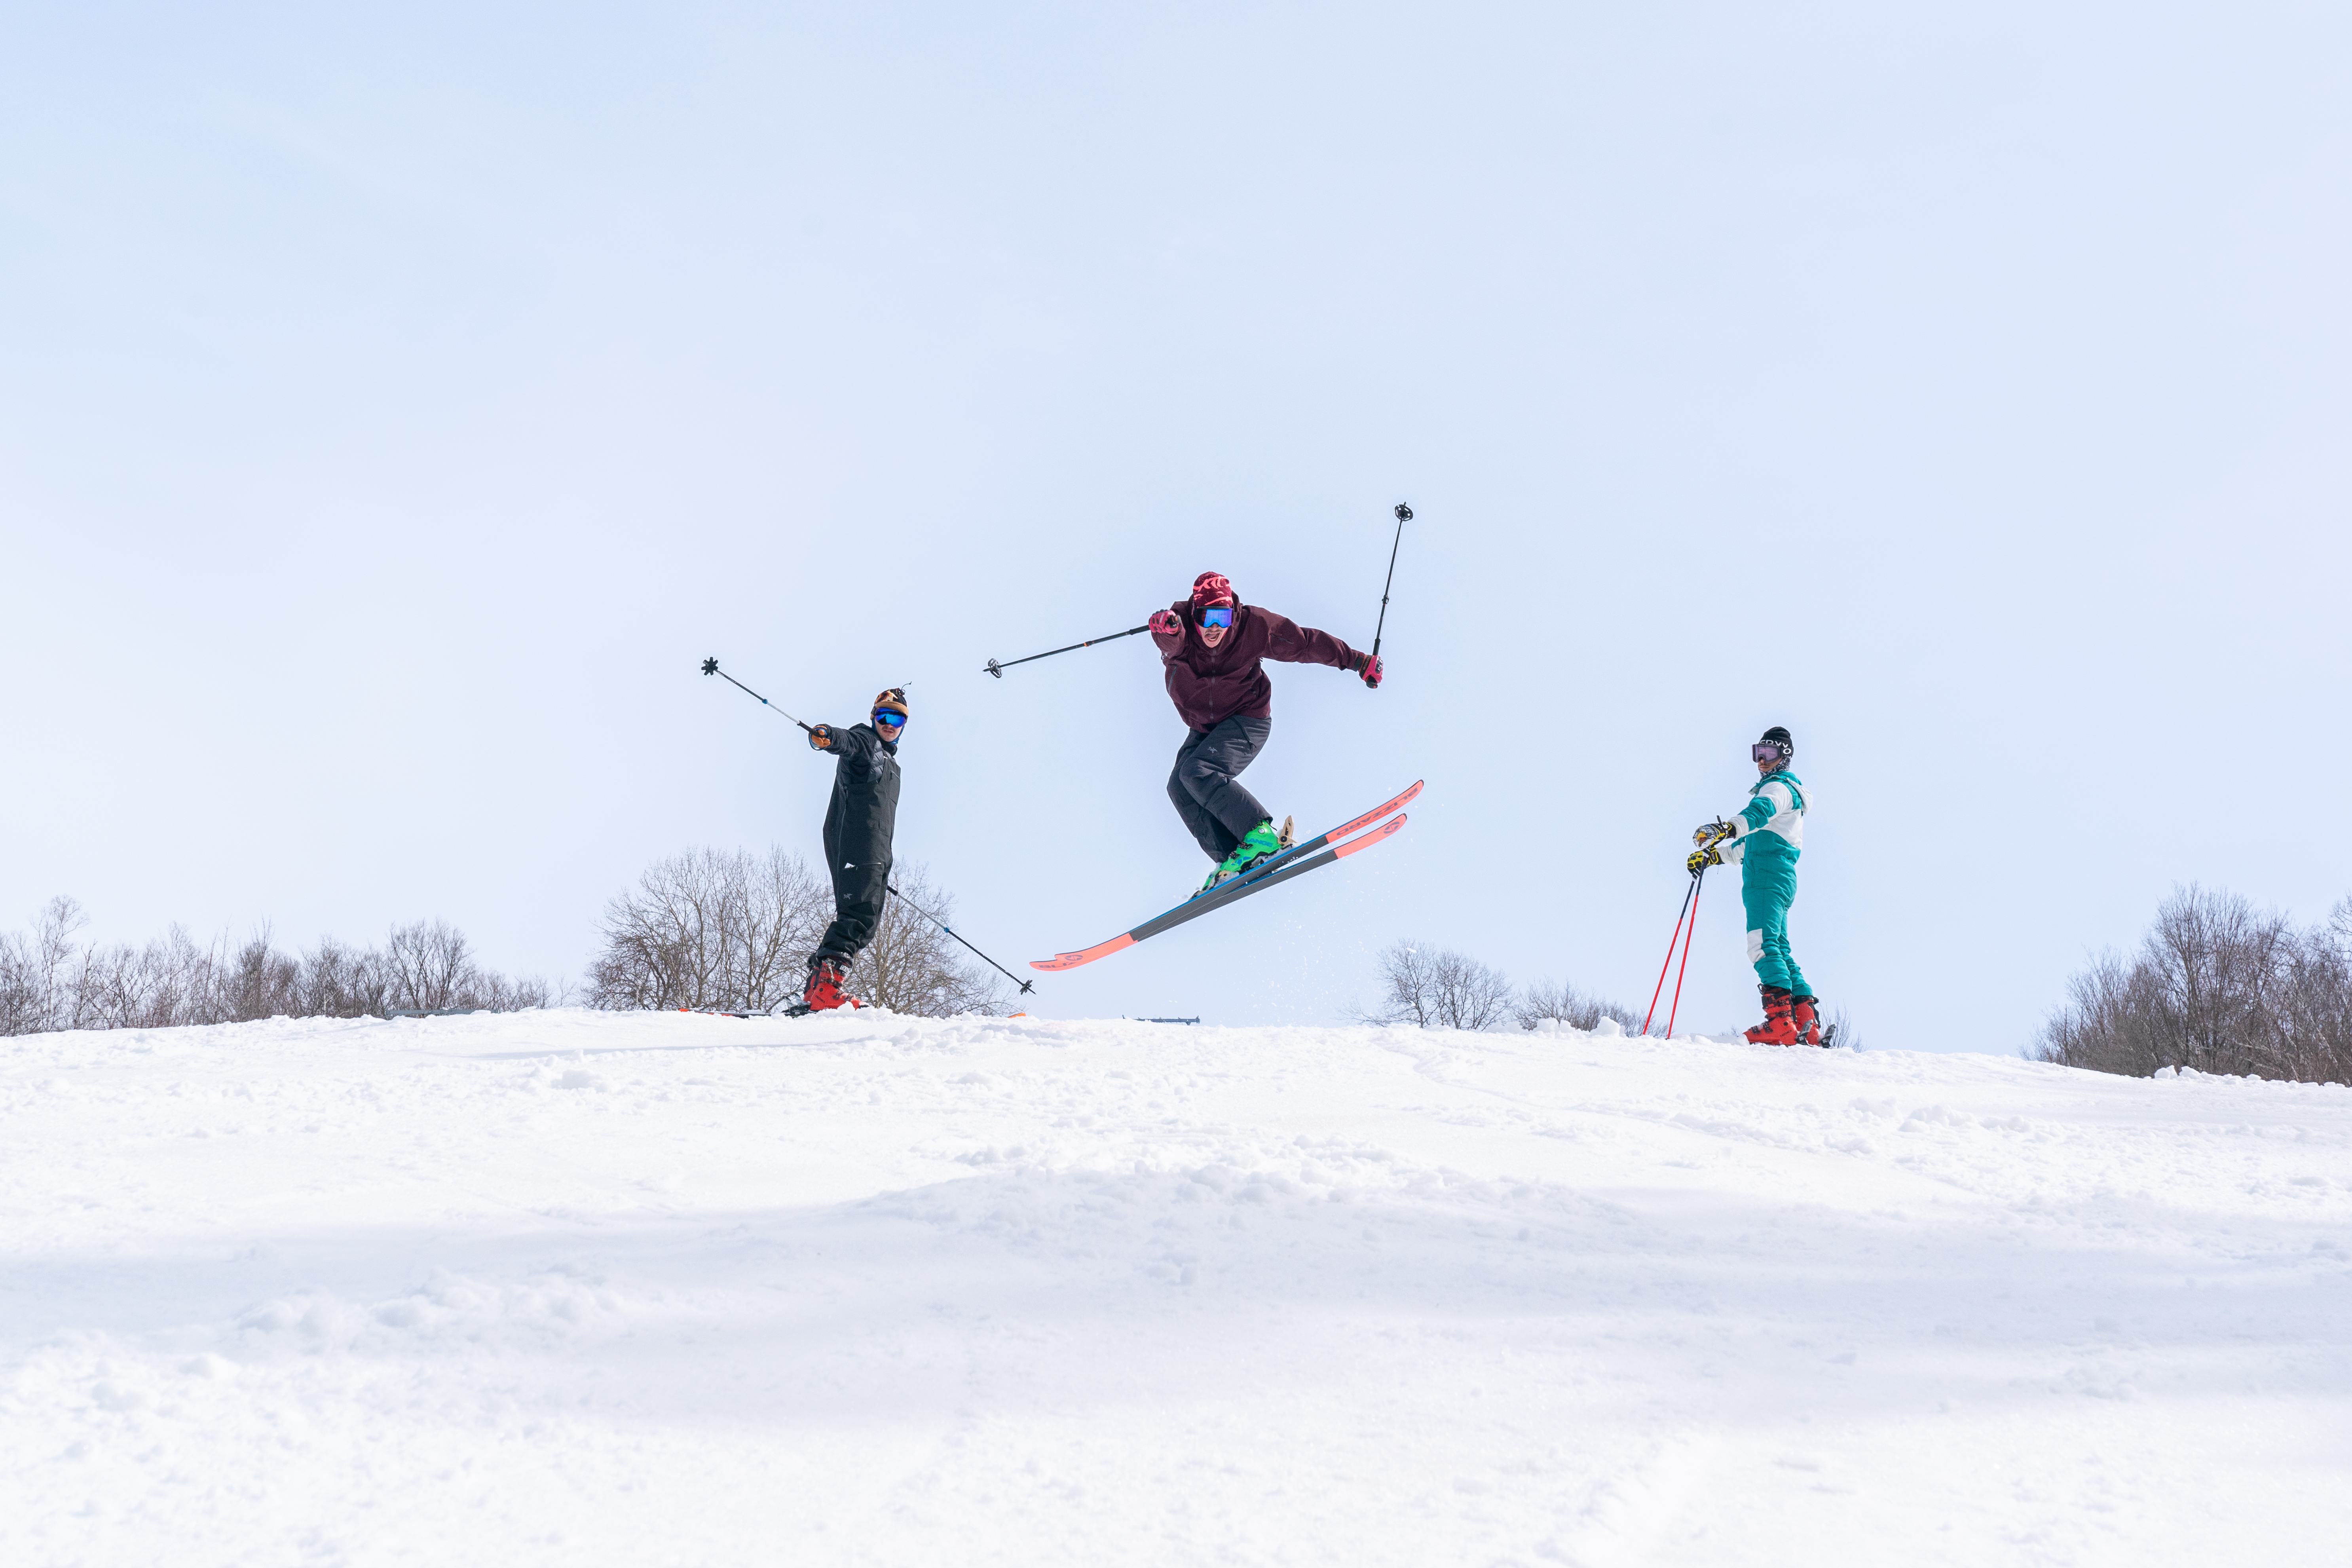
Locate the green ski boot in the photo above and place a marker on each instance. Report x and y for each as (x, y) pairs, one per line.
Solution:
(1261, 842)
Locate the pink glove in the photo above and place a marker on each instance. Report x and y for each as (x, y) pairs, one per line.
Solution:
(1164, 624)
(1371, 668)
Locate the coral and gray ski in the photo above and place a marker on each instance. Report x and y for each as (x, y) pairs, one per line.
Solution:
(1296, 860)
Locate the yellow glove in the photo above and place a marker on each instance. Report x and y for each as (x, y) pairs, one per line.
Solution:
(1717, 832)
(1700, 859)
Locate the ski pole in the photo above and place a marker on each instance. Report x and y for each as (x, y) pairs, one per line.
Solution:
(1403, 516)
(711, 666)
(998, 671)
(1660, 988)
(1024, 984)
(1697, 885)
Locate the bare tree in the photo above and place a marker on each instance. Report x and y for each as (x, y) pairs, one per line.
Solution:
(1437, 990)
(2319, 1009)
(1469, 995)
(259, 981)
(664, 942)
(339, 982)
(37, 992)
(47, 982)
(1544, 1000)
(913, 966)
(169, 981)
(711, 928)
(2219, 987)
(786, 910)
(429, 967)
(1408, 988)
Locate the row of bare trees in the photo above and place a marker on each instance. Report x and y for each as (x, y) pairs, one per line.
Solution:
(1437, 988)
(707, 929)
(2220, 987)
(52, 980)
(731, 930)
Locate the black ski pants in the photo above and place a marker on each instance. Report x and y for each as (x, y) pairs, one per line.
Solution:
(1218, 810)
(857, 895)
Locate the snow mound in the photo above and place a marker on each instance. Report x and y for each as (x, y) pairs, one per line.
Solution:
(660, 1287)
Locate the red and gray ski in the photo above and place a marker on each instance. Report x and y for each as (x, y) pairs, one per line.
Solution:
(1308, 855)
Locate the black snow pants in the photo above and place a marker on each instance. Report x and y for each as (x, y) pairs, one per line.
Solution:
(859, 824)
(1218, 810)
(857, 895)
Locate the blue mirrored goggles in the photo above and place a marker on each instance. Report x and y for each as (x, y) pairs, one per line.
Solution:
(889, 718)
(1217, 616)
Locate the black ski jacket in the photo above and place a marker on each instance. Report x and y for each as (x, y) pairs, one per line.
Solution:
(864, 813)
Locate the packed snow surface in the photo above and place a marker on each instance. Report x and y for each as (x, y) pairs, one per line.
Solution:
(662, 1288)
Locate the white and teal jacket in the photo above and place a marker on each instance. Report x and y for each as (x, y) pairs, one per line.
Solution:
(1773, 821)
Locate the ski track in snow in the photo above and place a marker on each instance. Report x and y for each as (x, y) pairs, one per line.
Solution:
(662, 1288)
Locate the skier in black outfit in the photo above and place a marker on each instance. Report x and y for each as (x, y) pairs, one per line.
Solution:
(858, 825)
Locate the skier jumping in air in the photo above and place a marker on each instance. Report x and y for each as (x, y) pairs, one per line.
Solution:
(1765, 838)
(1211, 646)
(858, 825)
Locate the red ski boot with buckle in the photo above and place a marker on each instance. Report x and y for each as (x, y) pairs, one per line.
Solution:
(824, 992)
(1775, 1029)
(1804, 1017)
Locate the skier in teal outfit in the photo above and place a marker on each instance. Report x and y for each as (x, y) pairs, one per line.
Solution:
(1765, 839)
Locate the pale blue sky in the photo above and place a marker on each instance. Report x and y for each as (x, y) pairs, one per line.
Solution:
(396, 405)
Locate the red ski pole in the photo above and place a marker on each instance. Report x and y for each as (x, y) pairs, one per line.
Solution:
(1676, 1007)
(1660, 988)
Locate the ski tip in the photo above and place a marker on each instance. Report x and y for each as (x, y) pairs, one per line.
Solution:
(1365, 841)
(1402, 799)
(1062, 960)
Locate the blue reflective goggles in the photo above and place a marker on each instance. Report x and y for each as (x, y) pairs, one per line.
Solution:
(889, 718)
(1217, 616)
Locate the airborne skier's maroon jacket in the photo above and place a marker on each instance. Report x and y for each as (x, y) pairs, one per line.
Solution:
(1209, 685)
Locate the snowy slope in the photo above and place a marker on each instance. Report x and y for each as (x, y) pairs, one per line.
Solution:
(572, 1288)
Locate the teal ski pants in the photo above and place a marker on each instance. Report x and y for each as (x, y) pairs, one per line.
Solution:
(1768, 886)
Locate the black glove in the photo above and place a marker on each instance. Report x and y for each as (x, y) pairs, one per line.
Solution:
(820, 737)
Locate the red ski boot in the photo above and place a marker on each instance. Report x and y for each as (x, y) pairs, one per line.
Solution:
(1775, 1029)
(825, 991)
(1804, 1017)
